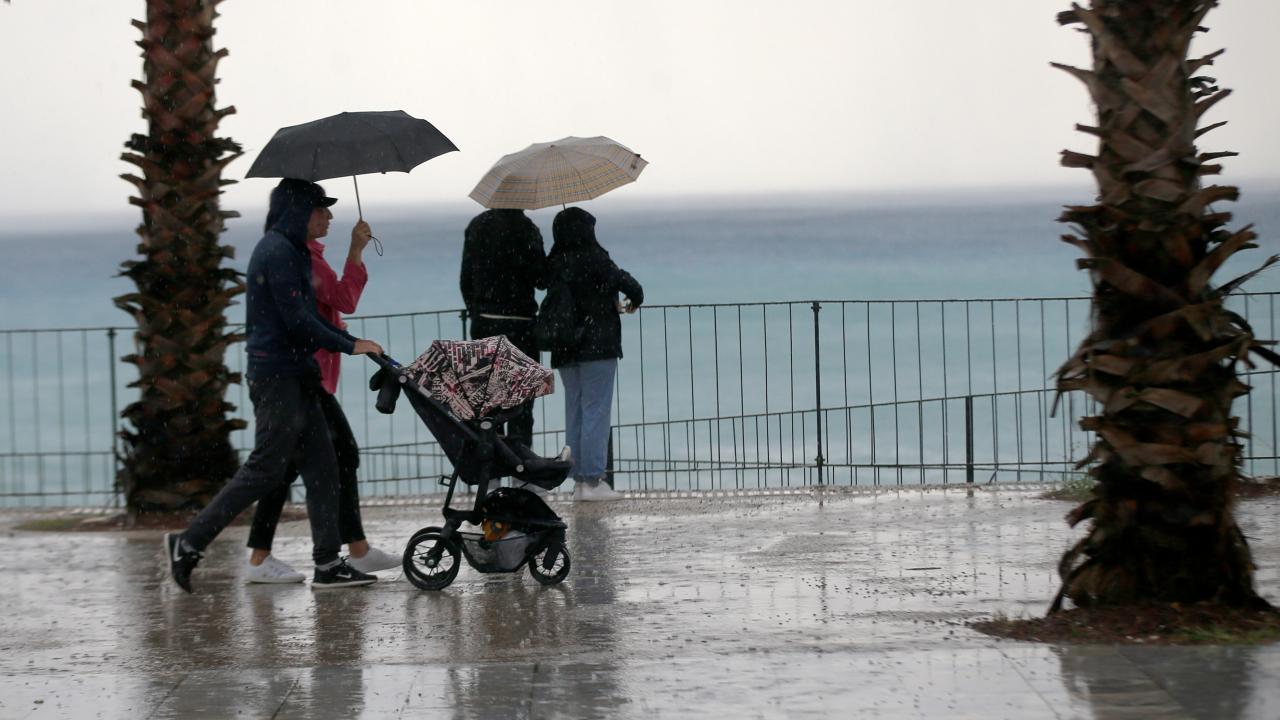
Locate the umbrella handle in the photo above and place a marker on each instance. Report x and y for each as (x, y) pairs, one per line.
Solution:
(377, 244)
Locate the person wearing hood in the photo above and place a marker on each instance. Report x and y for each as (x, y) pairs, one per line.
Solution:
(335, 296)
(284, 330)
(503, 262)
(589, 366)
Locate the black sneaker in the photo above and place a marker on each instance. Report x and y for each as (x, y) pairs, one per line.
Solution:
(181, 560)
(341, 575)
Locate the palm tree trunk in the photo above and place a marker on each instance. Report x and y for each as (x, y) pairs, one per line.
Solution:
(178, 449)
(1162, 357)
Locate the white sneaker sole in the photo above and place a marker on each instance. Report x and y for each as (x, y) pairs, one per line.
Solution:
(276, 580)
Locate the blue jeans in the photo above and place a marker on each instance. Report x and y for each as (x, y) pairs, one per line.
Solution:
(588, 399)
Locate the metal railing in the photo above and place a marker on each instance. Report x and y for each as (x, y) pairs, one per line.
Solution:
(709, 396)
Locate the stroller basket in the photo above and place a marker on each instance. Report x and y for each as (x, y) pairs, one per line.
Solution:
(504, 555)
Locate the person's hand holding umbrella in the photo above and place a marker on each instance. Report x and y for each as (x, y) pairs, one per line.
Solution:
(361, 234)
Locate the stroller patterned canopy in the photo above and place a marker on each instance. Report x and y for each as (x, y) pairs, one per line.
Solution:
(475, 378)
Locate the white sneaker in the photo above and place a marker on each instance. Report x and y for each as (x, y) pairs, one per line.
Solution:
(374, 561)
(598, 491)
(565, 454)
(274, 572)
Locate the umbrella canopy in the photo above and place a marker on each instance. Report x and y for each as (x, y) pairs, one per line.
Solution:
(475, 378)
(350, 143)
(567, 170)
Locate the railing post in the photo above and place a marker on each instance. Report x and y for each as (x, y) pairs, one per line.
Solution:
(462, 315)
(968, 439)
(608, 460)
(115, 414)
(817, 386)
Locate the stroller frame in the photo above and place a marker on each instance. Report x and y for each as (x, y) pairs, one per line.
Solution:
(479, 456)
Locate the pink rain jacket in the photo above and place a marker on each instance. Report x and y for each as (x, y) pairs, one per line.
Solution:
(334, 297)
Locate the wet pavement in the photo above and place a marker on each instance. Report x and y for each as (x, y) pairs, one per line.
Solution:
(709, 606)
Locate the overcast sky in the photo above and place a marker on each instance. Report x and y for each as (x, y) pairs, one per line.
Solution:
(721, 96)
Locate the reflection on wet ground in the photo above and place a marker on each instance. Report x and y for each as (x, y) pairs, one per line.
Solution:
(707, 606)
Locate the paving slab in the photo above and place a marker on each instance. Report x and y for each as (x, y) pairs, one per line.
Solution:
(706, 606)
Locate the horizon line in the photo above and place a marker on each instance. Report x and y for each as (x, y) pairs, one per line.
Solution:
(900, 196)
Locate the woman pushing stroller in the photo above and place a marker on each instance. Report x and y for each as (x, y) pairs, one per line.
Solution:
(335, 296)
(284, 330)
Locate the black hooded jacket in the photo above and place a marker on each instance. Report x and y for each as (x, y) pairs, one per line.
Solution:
(594, 282)
(503, 262)
(283, 328)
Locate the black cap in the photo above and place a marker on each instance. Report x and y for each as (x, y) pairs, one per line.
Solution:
(308, 190)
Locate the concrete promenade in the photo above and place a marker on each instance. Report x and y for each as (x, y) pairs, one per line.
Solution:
(761, 606)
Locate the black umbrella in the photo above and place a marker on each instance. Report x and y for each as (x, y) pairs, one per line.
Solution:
(351, 143)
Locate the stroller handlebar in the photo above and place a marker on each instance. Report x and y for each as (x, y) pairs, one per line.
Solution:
(384, 361)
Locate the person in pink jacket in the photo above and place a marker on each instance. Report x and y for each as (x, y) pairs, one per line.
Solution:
(335, 296)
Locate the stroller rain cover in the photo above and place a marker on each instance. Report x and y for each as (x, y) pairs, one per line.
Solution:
(475, 378)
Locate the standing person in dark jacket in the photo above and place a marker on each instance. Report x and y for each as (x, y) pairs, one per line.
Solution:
(503, 262)
(284, 332)
(587, 370)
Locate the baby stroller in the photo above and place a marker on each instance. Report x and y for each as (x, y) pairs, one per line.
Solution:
(463, 391)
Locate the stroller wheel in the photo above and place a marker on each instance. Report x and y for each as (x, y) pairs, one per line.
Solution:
(424, 531)
(430, 561)
(550, 565)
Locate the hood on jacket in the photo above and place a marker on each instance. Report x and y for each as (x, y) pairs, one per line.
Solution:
(573, 229)
(499, 222)
(290, 210)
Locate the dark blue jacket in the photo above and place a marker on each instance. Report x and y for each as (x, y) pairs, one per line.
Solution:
(283, 327)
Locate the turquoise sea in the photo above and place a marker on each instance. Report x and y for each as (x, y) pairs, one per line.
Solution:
(995, 244)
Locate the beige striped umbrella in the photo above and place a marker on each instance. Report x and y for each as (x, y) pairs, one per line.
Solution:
(567, 170)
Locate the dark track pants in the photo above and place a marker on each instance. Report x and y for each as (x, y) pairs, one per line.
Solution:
(267, 515)
(291, 427)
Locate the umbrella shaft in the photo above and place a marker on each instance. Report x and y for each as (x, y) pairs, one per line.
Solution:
(377, 244)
